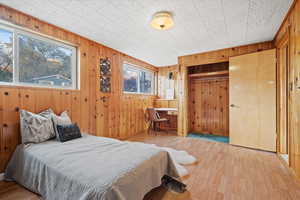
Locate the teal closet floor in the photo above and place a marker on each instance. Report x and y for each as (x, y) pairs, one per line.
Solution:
(210, 137)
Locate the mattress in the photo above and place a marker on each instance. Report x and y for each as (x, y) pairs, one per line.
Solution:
(89, 168)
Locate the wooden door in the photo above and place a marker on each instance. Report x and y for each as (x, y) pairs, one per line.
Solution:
(252, 97)
(208, 106)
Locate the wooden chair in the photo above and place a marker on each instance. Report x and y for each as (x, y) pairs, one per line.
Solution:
(155, 120)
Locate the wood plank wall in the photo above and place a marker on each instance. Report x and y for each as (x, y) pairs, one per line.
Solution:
(114, 115)
(292, 26)
(165, 83)
(202, 59)
(208, 105)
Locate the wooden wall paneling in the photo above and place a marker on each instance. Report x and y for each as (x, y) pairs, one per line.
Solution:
(209, 106)
(141, 116)
(173, 104)
(44, 100)
(132, 115)
(92, 67)
(123, 114)
(76, 109)
(60, 101)
(10, 126)
(84, 86)
(117, 97)
(164, 82)
(128, 115)
(67, 102)
(108, 105)
(28, 100)
(99, 98)
(192, 97)
(183, 121)
(291, 26)
(136, 119)
(3, 152)
(223, 54)
(102, 114)
(225, 108)
(211, 57)
(158, 103)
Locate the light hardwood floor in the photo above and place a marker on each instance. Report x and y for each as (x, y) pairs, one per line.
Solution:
(223, 172)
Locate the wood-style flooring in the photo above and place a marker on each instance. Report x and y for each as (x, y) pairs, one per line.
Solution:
(223, 172)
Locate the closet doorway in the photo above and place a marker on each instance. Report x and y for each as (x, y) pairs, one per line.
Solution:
(209, 100)
(283, 97)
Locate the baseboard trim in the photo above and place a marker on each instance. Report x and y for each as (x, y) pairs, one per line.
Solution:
(1, 176)
(285, 164)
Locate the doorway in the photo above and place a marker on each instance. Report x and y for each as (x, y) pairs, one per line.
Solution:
(283, 94)
(209, 99)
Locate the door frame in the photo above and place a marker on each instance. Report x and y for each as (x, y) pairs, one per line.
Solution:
(284, 41)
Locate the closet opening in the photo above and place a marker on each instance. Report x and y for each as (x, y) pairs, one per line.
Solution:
(209, 101)
(284, 88)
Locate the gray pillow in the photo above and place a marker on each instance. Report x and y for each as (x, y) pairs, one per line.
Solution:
(61, 120)
(36, 128)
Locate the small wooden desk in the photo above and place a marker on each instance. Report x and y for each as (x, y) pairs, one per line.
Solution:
(166, 109)
(169, 113)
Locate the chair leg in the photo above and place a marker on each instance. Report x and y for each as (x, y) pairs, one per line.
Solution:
(149, 127)
(153, 127)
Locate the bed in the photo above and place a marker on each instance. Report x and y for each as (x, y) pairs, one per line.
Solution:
(89, 168)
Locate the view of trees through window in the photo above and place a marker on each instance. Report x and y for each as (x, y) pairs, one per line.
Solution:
(6, 56)
(37, 61)
(130, 80)
(40, 61)
(145, 82)
(137, 80)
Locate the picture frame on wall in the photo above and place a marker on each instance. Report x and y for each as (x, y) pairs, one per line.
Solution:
(105, 75)
(105, 67)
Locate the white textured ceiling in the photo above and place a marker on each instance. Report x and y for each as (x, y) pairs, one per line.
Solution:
(200, 25)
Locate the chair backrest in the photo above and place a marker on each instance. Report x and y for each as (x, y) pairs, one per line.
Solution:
(153, 114)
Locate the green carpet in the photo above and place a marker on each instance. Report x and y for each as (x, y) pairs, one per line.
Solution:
(215, 138)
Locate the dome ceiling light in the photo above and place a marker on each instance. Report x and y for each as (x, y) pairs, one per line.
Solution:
(162, 21)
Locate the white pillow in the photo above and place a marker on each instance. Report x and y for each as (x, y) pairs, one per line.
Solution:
(36, 128)
(61, 120)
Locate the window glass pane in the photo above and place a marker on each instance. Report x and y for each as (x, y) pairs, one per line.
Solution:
(130, 80)
(44, 63)
(6, 56)
(146, 82)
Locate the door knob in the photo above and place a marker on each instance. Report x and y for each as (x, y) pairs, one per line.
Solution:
(234, 106)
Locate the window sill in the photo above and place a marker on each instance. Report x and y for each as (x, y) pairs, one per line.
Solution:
(34, 87)
(137, 93)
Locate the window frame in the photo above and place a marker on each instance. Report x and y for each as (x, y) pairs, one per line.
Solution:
(139, 69)
(17, 31)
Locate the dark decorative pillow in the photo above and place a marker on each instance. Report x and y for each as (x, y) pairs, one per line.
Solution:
(68, 132)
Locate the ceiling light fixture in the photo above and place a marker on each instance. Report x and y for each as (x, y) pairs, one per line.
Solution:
(162, 21)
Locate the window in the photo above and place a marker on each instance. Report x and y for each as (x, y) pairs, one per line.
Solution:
(6, 56)
(137, 80)
(29, 59)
